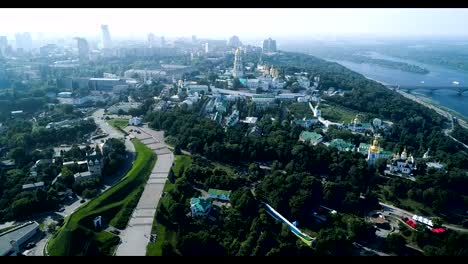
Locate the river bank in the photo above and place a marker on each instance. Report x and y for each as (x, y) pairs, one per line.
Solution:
(444, 111)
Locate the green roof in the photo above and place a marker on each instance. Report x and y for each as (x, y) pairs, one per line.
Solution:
(243, 80)
(310, 136)
(218, 192)
(341, 145)
(364, 147)
(201, 204)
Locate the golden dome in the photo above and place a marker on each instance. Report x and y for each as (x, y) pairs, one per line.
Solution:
(375, 146)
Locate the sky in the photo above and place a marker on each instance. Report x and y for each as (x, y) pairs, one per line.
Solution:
(245, 23)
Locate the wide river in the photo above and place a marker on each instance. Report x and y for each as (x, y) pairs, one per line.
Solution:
(438, 76)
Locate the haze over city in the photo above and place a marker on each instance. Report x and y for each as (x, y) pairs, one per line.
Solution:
(247, 23)
(233, 132)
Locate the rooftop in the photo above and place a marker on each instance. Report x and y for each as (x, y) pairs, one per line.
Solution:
(15, 234)
(342, 145)
(201, 204)
(310, 136)
(82, 174)
(33, 185)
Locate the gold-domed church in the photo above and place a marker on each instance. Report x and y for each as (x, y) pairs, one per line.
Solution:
(375, 152)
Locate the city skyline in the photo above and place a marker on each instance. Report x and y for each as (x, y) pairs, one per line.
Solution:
(246, 23)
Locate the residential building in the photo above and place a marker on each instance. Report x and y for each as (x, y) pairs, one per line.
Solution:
(135, 121)
(255, 131)
(287, 97)
(197, 88)
(304, 82)
(80, 176)
(219, 194)
(310, 137)
(233, 118)
(114, 109)
(252, 84)
(269, 45)
(95, 163)
(65, 94)
(13, 239)
(105, 84)
(250, 120)
(200, 206)
(83, 49)
(7, 164)
(263, 99)
(306, 123)
(33, 186)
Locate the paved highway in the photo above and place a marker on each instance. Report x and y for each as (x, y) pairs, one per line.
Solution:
(400, 212)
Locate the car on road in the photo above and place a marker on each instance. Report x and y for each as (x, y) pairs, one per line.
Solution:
(30, 245)
(82, 201)
(61, 209)
(115, 231)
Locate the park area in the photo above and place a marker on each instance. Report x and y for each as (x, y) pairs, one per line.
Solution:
(78, 236)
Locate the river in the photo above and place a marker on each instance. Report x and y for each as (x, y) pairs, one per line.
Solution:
(438, 76)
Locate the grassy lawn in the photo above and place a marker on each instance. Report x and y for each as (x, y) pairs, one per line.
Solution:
(164, 234)
(301, 110)
(119, 124)
(337, 113)
(112, 205)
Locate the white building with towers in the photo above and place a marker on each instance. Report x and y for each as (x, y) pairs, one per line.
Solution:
(238, 70)
(106, 39)
(402, 163)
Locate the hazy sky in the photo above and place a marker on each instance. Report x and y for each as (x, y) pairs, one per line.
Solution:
(246, 23)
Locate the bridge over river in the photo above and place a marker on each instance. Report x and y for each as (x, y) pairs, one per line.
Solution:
(408, 88)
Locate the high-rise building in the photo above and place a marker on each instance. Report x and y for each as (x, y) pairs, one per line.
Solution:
(269, 46)
(234, 42)
(3, 45)
(151, 40)
(194, 39)
(106, 39)
(23, 41)
(163, 41)
(207, 47)
(83, 49)
(238, 69)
